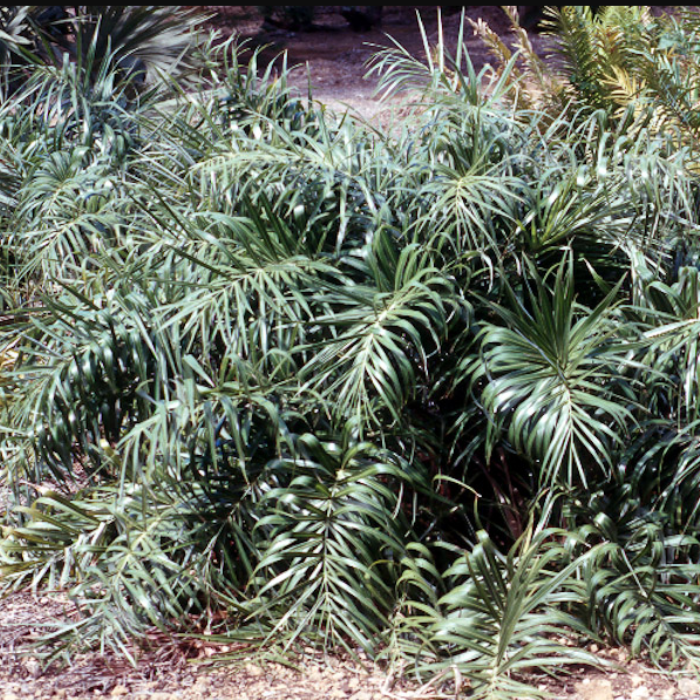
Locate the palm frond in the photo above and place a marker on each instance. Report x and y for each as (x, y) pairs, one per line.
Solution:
(549, 380)
(334, 534)
(383, 334)
(501, 615)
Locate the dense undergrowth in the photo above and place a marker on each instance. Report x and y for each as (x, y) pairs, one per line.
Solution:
(270, 372)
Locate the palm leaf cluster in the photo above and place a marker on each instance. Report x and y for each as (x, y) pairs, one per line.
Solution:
(268, 373)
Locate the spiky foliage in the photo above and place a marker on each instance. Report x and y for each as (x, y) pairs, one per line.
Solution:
(533, 84)
(490, 614)
(635, 66)
(138, 43)
(623, 60)
(268, 373)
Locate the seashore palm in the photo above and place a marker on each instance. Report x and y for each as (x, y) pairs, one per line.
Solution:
(301, 383)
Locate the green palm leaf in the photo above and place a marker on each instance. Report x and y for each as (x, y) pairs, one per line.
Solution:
(550, 378)
(501, 615)
(382, 334)
(336, 531)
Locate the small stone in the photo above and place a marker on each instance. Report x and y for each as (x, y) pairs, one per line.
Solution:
(119, 690)
(689, 686)
(640, 693)
(636, 680)
(10, 696)
(595, 690)
(33, 667)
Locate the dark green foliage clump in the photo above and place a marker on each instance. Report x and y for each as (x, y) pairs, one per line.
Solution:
(430, 395)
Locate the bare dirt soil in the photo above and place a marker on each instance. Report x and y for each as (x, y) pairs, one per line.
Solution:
(179, 670)
(335, 58)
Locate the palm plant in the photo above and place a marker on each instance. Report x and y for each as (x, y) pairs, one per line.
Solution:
(334, 538)
(140, 43)
(556, 378)
(499, 613)
(300, 383)
(148, 40)
(623, 60)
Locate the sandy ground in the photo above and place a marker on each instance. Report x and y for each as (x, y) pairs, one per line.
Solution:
(336, 59)
(179, 670)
